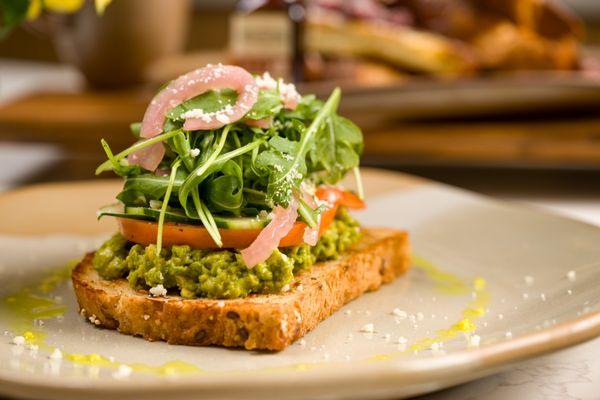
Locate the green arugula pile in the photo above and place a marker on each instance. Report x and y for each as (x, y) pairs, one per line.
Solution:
(237, 171)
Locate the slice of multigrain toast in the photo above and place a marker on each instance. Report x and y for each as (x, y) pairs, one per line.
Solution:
(269, 322)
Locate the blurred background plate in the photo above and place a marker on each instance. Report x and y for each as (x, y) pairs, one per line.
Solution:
(528, 95)
(511, 122)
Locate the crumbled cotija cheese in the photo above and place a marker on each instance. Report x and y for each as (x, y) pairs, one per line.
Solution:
(18, 340)
(399, 313)
(56, 355)
(122, 372)
(158, 291)
(474, 340)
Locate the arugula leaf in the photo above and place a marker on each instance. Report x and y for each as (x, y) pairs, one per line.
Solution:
(163, 209)
(181, 145)
(346, 131)
(283, 145)
(133, 197)
(225, 192)
(287, 172)
(280, 181)
(307, 109)
(323, 154)
(136, 128)
(268, 103)
(172, 125)
(308, 214)
(337, 149)
(255, 197)
(205, 143)
(151, 186)
(210, 101)
(212, 164)
(193, 181)
(112, 161)
(120, 166)
(206, 217)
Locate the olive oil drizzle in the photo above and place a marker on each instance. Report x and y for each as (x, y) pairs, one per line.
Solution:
(448, 284)
(35, 303)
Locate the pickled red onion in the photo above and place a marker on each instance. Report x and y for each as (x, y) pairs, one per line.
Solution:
(148, 157)
(311, 235)
(268, 239)
(211, 77)
(264, 123)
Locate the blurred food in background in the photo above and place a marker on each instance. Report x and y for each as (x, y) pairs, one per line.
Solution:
(268, 36)
(500, 83)
(377, 42)
(355, 42)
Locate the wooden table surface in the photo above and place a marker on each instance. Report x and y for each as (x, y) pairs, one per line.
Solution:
(77, 122)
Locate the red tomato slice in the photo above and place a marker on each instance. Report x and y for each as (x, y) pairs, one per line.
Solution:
(340, 197)
(196, 236)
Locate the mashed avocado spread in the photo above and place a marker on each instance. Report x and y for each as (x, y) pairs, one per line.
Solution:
(219, 273)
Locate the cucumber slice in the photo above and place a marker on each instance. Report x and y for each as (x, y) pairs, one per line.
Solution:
(150, 214)
(143, 213)
(240, 222)
(116, 210)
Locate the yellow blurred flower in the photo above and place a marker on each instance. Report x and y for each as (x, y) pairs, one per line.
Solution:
(101, 5)
(61, 6)
(34, 10)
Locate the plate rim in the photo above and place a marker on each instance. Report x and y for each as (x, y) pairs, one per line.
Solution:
(458, 367)
(449, 368)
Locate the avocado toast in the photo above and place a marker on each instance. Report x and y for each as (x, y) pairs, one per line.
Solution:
(233, 229)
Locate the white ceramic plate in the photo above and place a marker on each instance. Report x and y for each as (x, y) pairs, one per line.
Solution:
(485, 271)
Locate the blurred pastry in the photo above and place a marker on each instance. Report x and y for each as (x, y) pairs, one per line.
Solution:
(448, 37)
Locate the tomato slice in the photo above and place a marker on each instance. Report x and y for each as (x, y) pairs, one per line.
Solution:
(196, 236)
(340, 197)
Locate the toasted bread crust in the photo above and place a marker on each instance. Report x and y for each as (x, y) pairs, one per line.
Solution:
(270, 322)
